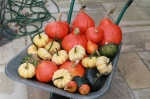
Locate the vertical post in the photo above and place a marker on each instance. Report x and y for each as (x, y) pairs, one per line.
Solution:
(70, 11)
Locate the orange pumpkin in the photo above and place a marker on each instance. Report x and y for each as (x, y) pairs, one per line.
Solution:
(45, 71)
(73, 39)
(112, 32)
(91, 47)
(75, 69)
(58, 28)
(82, 21)
(94, 34)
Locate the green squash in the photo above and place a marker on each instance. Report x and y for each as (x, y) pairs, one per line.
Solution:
(80, 80)
(95, 79)
(109, 50)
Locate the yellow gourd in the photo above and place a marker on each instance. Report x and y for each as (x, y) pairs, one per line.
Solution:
(61, 78)
(26, 70)
(89, 62)
(51, 47)
(44, 54)
(77, 53)
(41, 40)
(32, 49)
(60, 57)
(104, 65)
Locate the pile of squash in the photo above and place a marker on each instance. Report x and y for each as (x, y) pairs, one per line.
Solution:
(76, 58)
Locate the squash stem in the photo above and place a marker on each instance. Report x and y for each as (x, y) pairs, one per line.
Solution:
(75, 50)
(97, 53)
(82, 8)
(75, 64)
(57, 52)
(61, 77)
(92, 54)
(111, 11)
(51, 45)
(34, 43)
(59, 17)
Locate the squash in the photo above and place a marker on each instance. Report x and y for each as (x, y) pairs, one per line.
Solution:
(104, 65)
(95, 79)
(89, 62)
(109, 50)
(40, 39)
(77, 53)
(82, 21)
(94, 34)
(45, 70)
(73, 39)
(51, 47)
(44, 54)
(60, 57)
(59, 28)
(26, 70)
(61, 78)
(75, 69)
(91, 47)
(82, 83)
(112, 32)
(71, 86)
(32, 49)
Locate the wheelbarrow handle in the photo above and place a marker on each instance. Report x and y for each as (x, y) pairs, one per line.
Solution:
(123, 11)
(129, 2)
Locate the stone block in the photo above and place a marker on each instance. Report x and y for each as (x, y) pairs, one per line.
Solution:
(142, 93)
(134, 70)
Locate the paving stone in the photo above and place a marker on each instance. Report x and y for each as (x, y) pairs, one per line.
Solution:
(133, 14)
(9, 50)
(36, 93)
(134, 71)
(142, 93)
(119, 89)
(145, 56)
(143, 3)
(132, 43)
(10, 89)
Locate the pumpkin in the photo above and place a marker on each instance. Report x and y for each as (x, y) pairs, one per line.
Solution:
(104, 65)
(112, 32)
(95, 79)
(71, 86)
(44, 54)
(91, 47)
(109, 50)
(60, 57)
(32, 49)
(94, 34)
(89, 62)
(26, 70)
(51, 47)
(82, 21)
(77, 53)
(40, 39)
(75, 69)
(59, 28)
(45, 70)
(73, 39)
(84, 89)
(61, 78)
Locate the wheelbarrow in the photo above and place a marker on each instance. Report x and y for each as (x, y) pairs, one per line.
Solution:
(12, 67)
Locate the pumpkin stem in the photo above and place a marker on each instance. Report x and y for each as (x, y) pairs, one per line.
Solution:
(96, 31)
(97, 53)
(61, 77)
(76, 31)
(92, 54)
(76, 63)
(111, 11)
(59, 17)
(82, 8)
(57, 52)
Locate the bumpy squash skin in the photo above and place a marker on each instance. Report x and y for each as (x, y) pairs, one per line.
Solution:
(95, 82)
(109, 50)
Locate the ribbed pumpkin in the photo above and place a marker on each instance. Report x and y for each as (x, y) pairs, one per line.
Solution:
(58, 28)
(94, 34)
(75, 69)
(112, 32)
(82, 21)
(73, 39)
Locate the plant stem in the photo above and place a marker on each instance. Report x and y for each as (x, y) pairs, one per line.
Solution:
(57, 52)
(61, 77)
